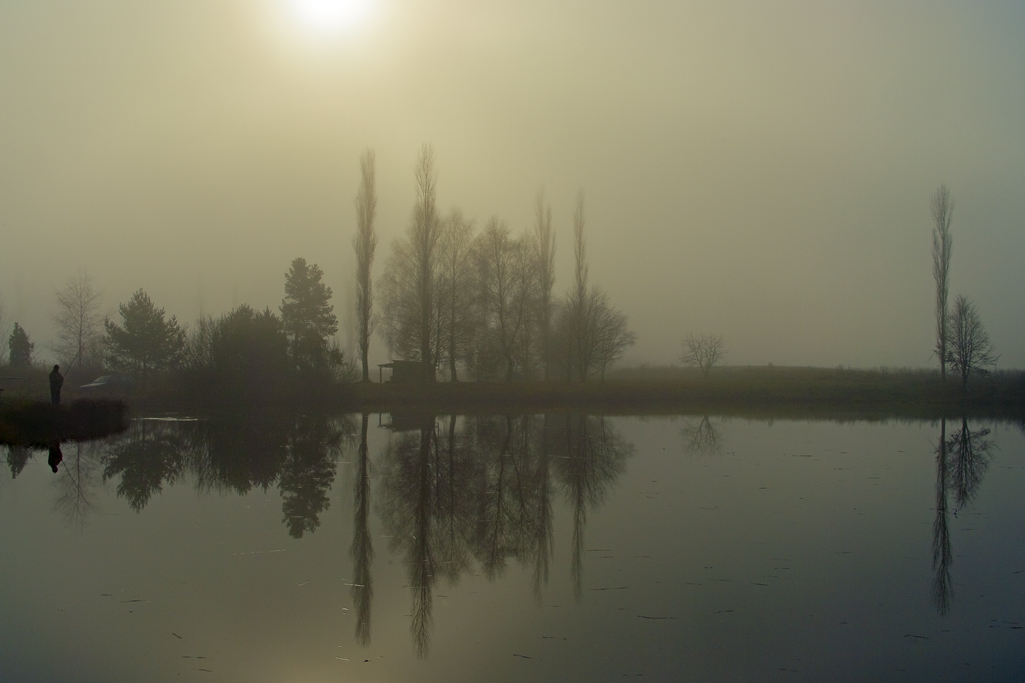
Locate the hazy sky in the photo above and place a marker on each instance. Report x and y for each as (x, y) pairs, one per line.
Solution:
(758, 169)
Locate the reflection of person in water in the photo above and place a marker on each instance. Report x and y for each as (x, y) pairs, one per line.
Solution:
(56, 457)
(56, 382)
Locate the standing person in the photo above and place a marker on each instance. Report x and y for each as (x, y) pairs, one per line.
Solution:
(56, 382)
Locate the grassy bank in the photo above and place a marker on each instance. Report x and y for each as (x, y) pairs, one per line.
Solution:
(754, 392)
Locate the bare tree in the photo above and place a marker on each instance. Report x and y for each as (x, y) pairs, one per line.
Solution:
(408, 287)
(364, 243)
(544, 240)
(612, 336)
(79, 322)
(703, 351)
(456, 288)
(573, 320)
(968, 347)
(506, 290)
(942, 206)
(703, 438)
(423, 237)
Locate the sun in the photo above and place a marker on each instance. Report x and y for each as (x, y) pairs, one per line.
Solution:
(331, 16)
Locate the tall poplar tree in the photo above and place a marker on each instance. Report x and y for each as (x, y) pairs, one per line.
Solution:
(365, 242)
(942, 206)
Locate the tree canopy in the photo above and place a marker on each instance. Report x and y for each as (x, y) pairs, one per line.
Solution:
(144, 340)
(20, 347)
(307, 317)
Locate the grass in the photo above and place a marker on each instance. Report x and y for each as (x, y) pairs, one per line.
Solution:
(754, 392)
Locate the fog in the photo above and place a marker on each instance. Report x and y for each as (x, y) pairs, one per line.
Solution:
(758, 170)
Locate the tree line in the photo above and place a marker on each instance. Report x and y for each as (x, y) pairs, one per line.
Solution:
(454, 299)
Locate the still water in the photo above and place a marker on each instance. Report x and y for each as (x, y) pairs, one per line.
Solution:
(540, 548)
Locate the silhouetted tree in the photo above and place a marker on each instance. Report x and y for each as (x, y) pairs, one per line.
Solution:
(612, 336)
(456, 289)
(365, 243)
(506, 291)
(20, 348)
(424, 240)
(410, 278)
(241, 355)
(942, 206)
(307, 317)
(79, 323)
(575, 313)
(145, 341)
(544, 254)
(589, 332)
(703, 351)
(968, 347)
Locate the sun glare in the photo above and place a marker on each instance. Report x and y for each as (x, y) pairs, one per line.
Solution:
(329, 16)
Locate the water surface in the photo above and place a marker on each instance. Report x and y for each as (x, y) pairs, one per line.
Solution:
(560, 547)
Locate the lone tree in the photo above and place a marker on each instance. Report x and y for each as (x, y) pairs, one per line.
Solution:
(364, 243)
(79, 322)
(969, 350)
(703, 351)
(942, 213)
(20, 347)
(307, 317)
(145, 340)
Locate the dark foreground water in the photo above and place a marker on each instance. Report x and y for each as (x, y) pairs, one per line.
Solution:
(558, 548)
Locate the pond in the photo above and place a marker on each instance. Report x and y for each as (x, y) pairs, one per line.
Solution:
(543, 548)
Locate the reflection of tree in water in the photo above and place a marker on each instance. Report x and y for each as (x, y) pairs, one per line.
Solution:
(961, 462)
(149, 454)
(298, 453)
(942, 554)
(969, 457)
(702, 438)
(483, 493)
(362, 549)
(425, 481)
(590, 456)
(78, 480)
(246, 452)
(308, 472)
(17, 458)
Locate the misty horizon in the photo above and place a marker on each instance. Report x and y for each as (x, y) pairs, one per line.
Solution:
(760, 174)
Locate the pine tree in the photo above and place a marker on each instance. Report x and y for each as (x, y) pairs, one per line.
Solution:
(20, 347)
(306, 313)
